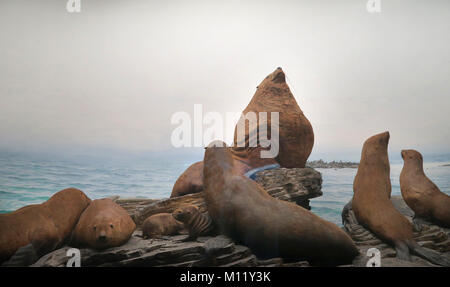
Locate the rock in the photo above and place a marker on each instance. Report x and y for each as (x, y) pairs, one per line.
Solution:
(291, 184)
(132, 204)
(332, 164)
(167, 251)
(295, 185)
(431, 236)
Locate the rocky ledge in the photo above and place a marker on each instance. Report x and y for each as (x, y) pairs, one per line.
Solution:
(295, 185)
(166, 251)
(430, 236)
(332, 164)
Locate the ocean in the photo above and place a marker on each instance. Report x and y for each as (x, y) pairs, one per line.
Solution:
(26, 179)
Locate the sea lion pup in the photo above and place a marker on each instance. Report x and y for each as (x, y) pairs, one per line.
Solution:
(197, 223)
(45, 226)
(372, 205)
(245, 212)
(103, 224)
(420, 193)
(161, 224)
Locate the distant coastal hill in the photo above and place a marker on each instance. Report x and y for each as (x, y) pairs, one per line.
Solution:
(332, 164)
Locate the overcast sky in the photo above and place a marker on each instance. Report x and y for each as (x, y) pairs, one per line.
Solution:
(111, 76)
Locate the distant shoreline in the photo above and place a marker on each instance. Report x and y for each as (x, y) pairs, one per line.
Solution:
(332, 164)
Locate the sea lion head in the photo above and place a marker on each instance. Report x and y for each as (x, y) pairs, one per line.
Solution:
(277, 77)
(217, 155)
(185, 212)
(411, 155)
(376, 144)
(108, 230)
(103, 232)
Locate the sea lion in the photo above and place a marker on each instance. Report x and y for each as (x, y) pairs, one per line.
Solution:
(197, 223)
(372, 205)
(296, 136)
(420, 193)
(103, 224)
(245, 212)
(161, 224)
(45, 226)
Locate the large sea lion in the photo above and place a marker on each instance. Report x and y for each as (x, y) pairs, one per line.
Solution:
(103, 224)
(244, 211)
(420, 193)
(295, 133)
(161, 224)
(197, 223)
(45, 226)
(372, 205)
(296, 136)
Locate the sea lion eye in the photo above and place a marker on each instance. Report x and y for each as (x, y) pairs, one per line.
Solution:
(112, 226)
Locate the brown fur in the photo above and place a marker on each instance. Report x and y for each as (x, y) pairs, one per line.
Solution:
(244, 211)
(102, 225)
(197, 223)
(161, 224)
(296, 136)
(46, 225)
(420, 193)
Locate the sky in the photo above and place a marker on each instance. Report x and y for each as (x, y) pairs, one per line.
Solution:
(110, 78)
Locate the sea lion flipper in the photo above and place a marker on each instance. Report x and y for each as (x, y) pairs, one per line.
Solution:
(418, 223)
(24, 256)
(430, 255)
(402, 251)
(346, 212)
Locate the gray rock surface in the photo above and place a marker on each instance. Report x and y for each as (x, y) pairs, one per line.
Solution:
(292, 184)
(166, 251)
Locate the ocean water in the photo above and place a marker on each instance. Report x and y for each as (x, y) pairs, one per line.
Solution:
(28, 180)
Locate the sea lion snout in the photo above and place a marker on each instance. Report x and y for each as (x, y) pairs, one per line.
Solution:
(411, 154)
(279, 76)
(384, 137)
(102, 238)
(184, 213)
